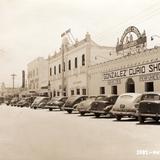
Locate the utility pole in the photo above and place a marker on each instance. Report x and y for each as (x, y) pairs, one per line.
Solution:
(63, 70)
(13, 77)
(67, 39)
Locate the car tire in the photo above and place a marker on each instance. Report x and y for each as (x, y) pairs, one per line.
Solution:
(141, 119)
(156, 119)
(69, 111)
(118, 117)
(82, 113)
(97, 115)
(50, 109)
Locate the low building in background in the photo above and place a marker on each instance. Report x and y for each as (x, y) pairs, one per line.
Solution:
(38, 75)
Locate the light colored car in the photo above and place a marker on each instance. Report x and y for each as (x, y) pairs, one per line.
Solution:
(126, 105)
(84, 106)
(39, 102)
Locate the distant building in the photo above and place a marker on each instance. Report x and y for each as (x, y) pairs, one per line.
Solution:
(9, 91)
(38, 75)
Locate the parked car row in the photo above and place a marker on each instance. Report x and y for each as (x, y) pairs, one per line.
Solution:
(137, 105)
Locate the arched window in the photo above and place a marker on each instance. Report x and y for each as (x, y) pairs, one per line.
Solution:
(130, 85)
(69, 65)
(59, 68)
(55, 70)
(83, 60)
(76, 65)
(50, 72)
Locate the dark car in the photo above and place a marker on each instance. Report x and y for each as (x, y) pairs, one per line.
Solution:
(103, 104)
(14, 101)
(72, 102)
(25, 102)
(1, 100)
(149, 107)
(56, 103)
(40, 102)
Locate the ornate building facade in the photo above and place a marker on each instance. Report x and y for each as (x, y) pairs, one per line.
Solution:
(137, 70)
(77, 59)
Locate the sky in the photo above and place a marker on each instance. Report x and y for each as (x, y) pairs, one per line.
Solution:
(32, 28)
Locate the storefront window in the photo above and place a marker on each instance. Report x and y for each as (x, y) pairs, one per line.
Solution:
(149, 86)
(102, 90)
(83, 91)
(72, 92)
(78, 91)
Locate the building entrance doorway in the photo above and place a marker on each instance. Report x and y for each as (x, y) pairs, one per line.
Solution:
(130, 85)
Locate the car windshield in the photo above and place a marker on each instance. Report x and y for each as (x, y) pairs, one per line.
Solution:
(151, 97)
(54, 99)
(72, 99)
(38, 99)
(102, 98)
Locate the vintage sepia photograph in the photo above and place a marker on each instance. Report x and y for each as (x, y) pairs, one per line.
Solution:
(79, 79)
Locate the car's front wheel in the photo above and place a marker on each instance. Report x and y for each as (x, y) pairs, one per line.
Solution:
(97, 115)
(156, 119)
(118, 117)
(69, 111)
(141, 119)
(50, 109)
(82, 113)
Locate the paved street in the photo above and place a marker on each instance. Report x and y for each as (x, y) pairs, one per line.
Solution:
(27, 134)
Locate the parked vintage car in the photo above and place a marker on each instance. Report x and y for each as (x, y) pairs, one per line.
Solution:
(72, 102)
(14, 101)
(1, 100)
(84, 106)
(40, 102)
(126, 105)
(25, 102)
(56, 103)
(103, 104)
(149, 107)
(7, 100)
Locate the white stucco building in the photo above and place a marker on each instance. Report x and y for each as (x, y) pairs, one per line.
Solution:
(77, 59)
(137, 70)
(38, 75)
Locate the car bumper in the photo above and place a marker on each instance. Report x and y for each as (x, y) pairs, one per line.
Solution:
(124, 113)
(148, 115)
(69, 108)
(95, 111)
